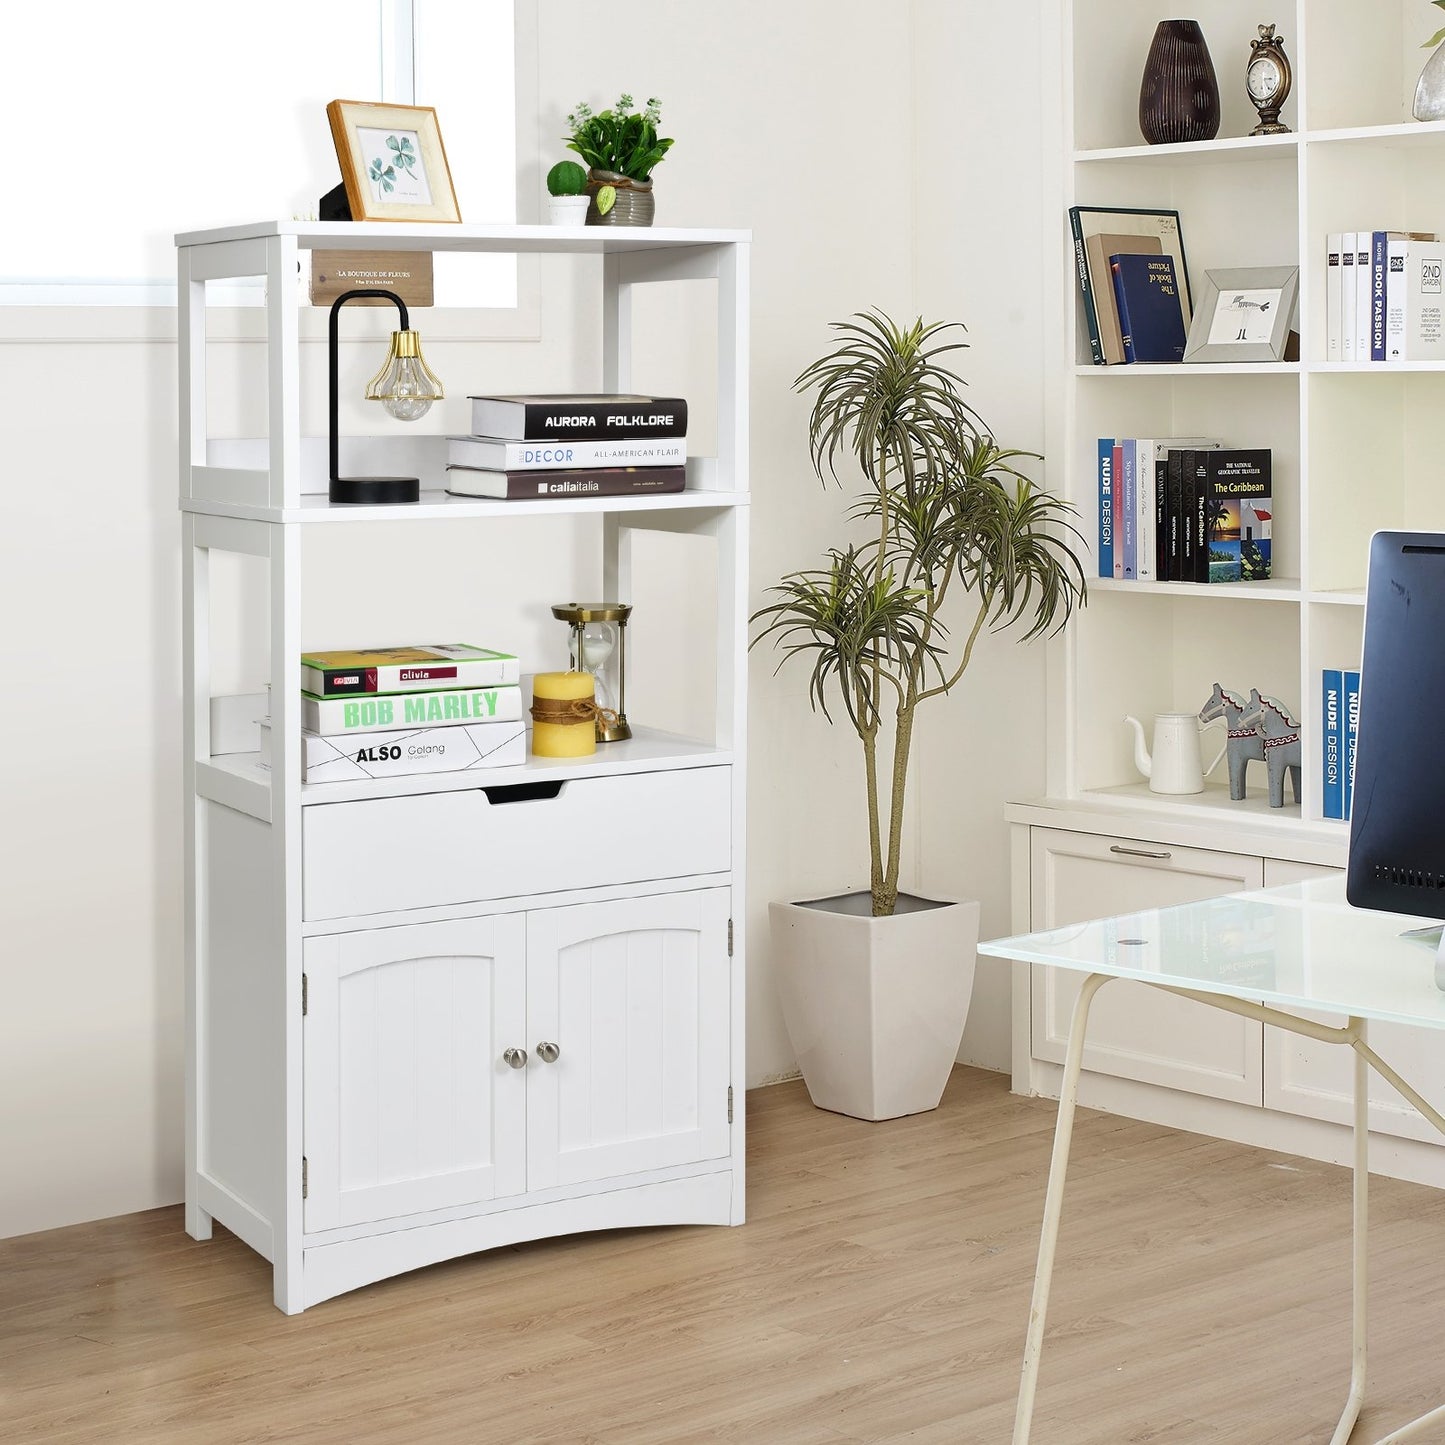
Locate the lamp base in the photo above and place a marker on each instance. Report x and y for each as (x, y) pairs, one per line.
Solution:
(374, 491)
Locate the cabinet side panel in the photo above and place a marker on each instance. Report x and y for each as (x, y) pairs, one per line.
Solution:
(243, 1060)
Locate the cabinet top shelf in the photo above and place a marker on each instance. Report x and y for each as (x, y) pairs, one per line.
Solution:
(416, 236)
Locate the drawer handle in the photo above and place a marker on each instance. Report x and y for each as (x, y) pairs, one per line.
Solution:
(548, 1053)
(1140, 852)
(522, 792)
(514, 1058)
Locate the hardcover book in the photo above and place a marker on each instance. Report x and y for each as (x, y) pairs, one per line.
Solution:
(587, 416)
(1147, 294)
(1156, 458)
(1364, 242)
(1099, 248)
(1425, 302)
(1333, 297)
(1106, 506)
(1332, 715)
(386, 711)
(578, 482)
(1128, 508)
(396, 754)
(495, 455)
(1347, 295)
(1351, 683)
(406, 669)
(1086, 221)
(1119, 508)
(1234, 510)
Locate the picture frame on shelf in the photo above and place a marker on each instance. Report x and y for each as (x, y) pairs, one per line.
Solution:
(1243, 314)
(393, 162)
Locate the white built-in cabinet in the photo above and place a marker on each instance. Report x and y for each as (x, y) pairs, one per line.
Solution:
(430, 1015)
(1356, 447)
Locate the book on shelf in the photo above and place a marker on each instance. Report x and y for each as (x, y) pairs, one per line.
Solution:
(1099, 248)
(1129, 509)
(583, 416)
(1146, 292)
(1233, 514)
(1424, 326)
(1096, 282)
(1333, 299)
(1347, 296)
(1333, 740)
(578, 482)
(405, 669)
(398, 754)
(1351, 684)
(1154, 454)
(1106, 506)
(1118, 450)
(494, 454)
(385, 711)
(1363, 278)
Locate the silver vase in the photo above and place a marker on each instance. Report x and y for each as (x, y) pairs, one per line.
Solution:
(1430, 89)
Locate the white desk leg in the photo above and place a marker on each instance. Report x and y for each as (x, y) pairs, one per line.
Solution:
(1360, 1270)
(1053, 1208)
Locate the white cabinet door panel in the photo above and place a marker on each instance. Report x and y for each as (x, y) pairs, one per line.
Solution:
(1302, 1076)
(1136, 1032)
(408, 1104)
(635, 996)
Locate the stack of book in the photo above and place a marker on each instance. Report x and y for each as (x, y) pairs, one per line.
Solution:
(1184, 509)
(394, 710)
(1340, 723)
(1383, 296)
(567, 446)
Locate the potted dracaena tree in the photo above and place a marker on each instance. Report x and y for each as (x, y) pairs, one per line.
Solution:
(875, 984)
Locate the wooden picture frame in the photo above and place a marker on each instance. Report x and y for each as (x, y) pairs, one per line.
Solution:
(393, 163)
(1254, 293)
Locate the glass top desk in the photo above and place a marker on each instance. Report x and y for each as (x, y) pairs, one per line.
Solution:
(1260, 953)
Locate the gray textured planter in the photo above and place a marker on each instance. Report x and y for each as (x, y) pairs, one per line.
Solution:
(634, 205)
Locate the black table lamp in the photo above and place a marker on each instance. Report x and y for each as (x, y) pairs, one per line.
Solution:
(405, 386)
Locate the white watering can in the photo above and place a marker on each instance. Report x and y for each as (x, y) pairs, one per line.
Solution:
(1177, 764)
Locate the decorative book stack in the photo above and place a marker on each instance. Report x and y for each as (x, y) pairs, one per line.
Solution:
(1184, 509)
(1384, 299)
(565, 446)
(395, 710)
(1340, 729)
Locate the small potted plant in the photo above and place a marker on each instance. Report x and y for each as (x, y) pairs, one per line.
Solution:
(875, 984)
(567, 188)
(621, 147)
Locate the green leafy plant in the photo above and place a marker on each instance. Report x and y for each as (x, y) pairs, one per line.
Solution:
(622, 139)
(1439, 35)
(950, 516)
(403, 153)
(566, 178)
(383, 174)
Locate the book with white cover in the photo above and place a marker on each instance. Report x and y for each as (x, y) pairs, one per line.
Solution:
(1364, 276)
(397, 754)
(1333, 297)
(1425, 302)
(1347, 296)
(373, 714)
(495, 454)
(1397, 290)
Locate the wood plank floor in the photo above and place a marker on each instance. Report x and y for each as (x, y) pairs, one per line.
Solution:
(878, 1293)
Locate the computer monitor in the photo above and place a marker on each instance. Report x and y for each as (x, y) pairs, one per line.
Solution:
(1397, 813)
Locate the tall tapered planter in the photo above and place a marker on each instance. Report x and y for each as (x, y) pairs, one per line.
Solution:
(875, 1007)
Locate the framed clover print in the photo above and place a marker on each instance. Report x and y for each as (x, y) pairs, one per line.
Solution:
(392, 162)
(1243, 315)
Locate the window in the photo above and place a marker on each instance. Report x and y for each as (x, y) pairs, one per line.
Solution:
(141, 122)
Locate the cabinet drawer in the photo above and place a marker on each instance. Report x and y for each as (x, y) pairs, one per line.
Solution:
(432, 849)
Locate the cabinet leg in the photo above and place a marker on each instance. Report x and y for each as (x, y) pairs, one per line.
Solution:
(198, 1222)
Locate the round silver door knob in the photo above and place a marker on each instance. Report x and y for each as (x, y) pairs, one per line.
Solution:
(515, 1058)
(548, 1053)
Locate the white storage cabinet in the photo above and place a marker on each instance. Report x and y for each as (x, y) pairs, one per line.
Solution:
(430, 1015)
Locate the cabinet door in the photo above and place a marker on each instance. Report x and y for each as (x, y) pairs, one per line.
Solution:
(409, 1106)
(1302, 1076)
(635, 996)
(1136, 1032)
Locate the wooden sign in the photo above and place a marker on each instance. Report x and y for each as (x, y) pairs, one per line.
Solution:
(408, 273)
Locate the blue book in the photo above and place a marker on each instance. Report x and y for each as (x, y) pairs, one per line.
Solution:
(1128, 486)
(1379, 269)
(1352, 735)
(1332, 713)
(1150, 316)
(1106, 506)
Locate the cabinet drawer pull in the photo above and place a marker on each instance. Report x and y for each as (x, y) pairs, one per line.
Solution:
(1140, 852)
(514, 1058)
(548, 1053)
(522, 792)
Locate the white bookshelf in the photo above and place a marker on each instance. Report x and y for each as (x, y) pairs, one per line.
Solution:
(1356, 448)
(432, 1015)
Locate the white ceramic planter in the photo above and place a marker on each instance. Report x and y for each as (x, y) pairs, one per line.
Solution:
(568, 210)
(875, 1007)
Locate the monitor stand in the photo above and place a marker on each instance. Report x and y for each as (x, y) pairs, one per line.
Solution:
(1432, 937)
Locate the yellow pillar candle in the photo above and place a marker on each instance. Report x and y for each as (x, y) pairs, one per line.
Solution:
(553, 694)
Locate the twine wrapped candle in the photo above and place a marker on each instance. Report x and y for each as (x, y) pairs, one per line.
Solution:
(564, 715)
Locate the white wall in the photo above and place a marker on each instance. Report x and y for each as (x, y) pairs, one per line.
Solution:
(840, 132)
